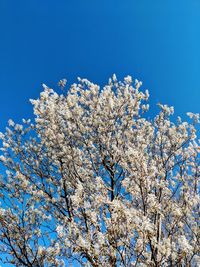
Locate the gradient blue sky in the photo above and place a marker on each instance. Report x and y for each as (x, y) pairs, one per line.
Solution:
(155, 41)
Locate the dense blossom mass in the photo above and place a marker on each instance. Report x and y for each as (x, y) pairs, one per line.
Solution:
(93, 182)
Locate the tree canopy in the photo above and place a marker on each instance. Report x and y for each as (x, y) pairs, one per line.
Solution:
(93, 181)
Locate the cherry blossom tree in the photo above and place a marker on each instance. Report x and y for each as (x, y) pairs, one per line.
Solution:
(94, 182)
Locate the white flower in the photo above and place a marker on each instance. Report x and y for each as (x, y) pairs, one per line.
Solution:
(114, 78)
(11, 123)
(193, 116)
(62, 83)
(41, 250)
(128, 79)
(18, 127)
(2, 158)
(184, 244)
(45, 86)
(60, 230)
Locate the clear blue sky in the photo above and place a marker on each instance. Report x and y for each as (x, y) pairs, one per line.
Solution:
(156, 41)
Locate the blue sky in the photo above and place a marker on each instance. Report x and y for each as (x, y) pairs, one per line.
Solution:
(155, 41)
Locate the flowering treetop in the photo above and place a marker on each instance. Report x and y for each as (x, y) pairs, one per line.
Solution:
(93, 180)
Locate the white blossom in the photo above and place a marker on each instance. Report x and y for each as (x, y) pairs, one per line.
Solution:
(62, 83)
